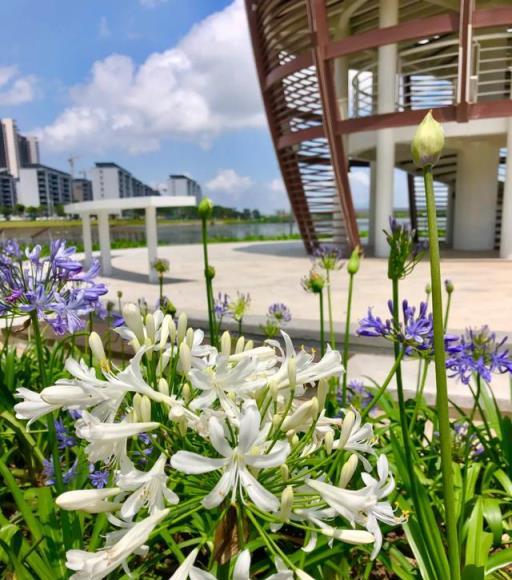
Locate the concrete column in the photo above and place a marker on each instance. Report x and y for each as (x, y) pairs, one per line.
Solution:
(450, 215)
(87, 238)
(151, 241)
(385, 157)
(104, 237)
(477, 193)
(371, 205)
(506, 210)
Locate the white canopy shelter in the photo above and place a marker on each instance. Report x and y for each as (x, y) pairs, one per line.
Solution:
(104, 207)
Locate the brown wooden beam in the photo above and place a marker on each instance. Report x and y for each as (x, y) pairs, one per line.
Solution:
(319, 24)
(491, 17)
(301, 61)
(300, 136)
(420, 28)
(465, 59)
(393, 120)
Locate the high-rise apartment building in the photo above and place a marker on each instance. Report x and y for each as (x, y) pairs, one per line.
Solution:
(16, 150)
(110, 181)
(7, 189)
(183, 185)
(82, 189)
(45, 187)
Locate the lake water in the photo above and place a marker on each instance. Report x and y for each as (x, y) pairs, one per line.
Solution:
(167, 233)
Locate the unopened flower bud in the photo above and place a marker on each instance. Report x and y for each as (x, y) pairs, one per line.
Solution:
(186, 393)
(210, 272)
(182, 326)
(205, 208)
(329, 441)
(98, 352)
(133, 320)
(176, 413)
(249, 345)
(321, 393)
(314, 408)
(164, 331)
(302, 416)
(273, 388)
(428, 142)
(346, 429)
(294, 440)
(428, 289)
(185, 358)
(240, 343)
(276, 419)
(163, 386)
(136, 411)
(354, 261)
(189, 337)
(93, 501)
(172, 329)
(348, 470)
(232, 396)
(150, 328)
(448, 284)
(225, 343)
(144, 412)
(285, 472)
(286, 503)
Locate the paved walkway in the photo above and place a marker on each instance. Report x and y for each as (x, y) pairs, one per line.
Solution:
(271, 272)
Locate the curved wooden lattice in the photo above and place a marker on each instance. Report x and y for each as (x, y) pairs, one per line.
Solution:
(300, 107)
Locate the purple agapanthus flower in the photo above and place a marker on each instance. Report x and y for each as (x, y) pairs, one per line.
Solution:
(279, 312)
(415, 331)
(478, 351)
(221, 306)
(55, 287)
(64, 439)
(98, 478)
(49, 472)
(328, 257)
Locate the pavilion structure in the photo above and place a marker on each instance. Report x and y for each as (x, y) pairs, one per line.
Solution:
(105, 207)
(344, 84)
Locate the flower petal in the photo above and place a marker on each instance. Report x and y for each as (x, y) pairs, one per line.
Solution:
(218, 439)
(193, 463)
(275, 458)
(258, 494)
(219, 492)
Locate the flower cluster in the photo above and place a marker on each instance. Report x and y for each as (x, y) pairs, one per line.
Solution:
(278, 314)
(55, 287)
(314, 282)
(328, 258)
(415, 332)
(478, 351)
(237, 433)
(404, 251)
(239, 307)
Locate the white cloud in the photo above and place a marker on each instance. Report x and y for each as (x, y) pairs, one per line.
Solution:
(103, 28)
(16, 89)
(228, 188)
(277, 185)
(359, 178)
(228, 181)
(203, 86)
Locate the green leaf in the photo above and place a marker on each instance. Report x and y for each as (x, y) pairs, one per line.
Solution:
(478, 541)
(498, 560)
(492, 514)
(473, 572)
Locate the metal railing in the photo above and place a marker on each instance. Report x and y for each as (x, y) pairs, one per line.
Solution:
(428, 73)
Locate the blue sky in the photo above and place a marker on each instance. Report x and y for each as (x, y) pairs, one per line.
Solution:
(158, 86)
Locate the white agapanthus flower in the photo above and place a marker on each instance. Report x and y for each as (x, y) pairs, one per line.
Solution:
(356, 437)
(363, 506)
(108, 440)
(242, 569)
(149, 488)
(250, 452)
(32, 407)
(97, 565)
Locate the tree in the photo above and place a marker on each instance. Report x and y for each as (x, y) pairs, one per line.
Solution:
(256, 214)
(32, 212)
(20, 209)
(246, 214)
(7, 211)
(59, 210)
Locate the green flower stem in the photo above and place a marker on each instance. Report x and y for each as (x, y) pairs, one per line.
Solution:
(346, 341)
(322, 329)
(209, 294)
(161, 285)
(240, 321)
(447, 312)
(383, 387)
(332, 338)
(52, 435)
(419, 393)
(441, 382)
